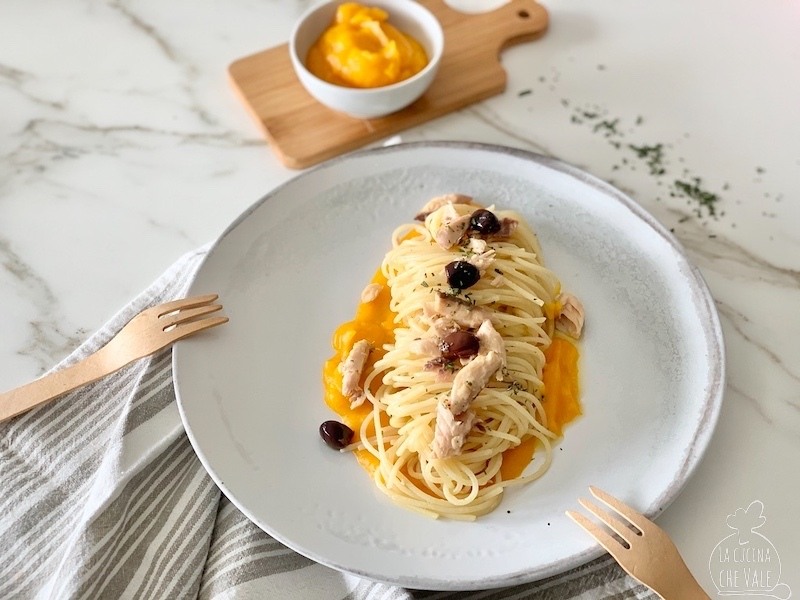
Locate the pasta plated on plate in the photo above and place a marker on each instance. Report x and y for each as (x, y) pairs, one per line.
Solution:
(460, 368)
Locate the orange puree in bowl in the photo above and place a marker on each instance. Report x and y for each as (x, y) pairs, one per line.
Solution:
(361, 49)
(374, 322)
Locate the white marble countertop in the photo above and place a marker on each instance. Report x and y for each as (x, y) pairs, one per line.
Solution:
(123, 146)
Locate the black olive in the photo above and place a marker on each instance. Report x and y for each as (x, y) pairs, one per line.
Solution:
(336, 435)
(459, 344)
(484, 222)
(461, 274)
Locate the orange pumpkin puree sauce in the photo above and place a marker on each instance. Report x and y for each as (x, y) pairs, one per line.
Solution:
(561, 404)
(361, 49)
(374, 322)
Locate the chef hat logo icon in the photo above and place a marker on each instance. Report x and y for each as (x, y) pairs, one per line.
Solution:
(746, 563)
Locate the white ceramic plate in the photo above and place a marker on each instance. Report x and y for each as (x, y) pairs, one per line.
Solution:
(292, 268)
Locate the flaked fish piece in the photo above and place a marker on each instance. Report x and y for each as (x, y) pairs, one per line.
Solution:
(451, 231)
(464, 315)
(498, 280)
(471, 379)
(369, 293)
(451, 431)
(440, 327)
(439, 201)
(492, 341)
(571, 316)
(477, 245)
(351, 369)
(427, 346)
(447, 226)
(444, 369)
(481, 256)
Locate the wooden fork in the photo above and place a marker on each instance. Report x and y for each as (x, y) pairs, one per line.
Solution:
(151, 330)
(642, 548)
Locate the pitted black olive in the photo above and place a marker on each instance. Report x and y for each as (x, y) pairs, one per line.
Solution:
(484, 222)
(461, 274)
(336, 435)
(459, 344)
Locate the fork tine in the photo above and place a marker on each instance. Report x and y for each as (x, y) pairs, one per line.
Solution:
(638, 519)
(187, 329)
(182, 316)
(616, 525)
(601, 535)
(168, 307)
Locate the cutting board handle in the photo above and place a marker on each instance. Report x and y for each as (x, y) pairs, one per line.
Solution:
(514, 22)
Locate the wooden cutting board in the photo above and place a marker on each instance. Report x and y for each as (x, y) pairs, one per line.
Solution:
(303, 132)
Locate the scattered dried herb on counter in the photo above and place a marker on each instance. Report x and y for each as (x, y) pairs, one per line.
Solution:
(704, 198)
(657, 158)
(608, 128)
(653, 157)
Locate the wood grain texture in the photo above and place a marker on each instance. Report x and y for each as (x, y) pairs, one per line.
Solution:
(303, 132)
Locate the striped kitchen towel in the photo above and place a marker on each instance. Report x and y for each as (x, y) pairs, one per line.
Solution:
(103, 497)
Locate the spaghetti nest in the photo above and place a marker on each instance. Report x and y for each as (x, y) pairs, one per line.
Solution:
(412, 388)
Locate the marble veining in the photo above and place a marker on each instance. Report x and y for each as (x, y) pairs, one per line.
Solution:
(46, 337)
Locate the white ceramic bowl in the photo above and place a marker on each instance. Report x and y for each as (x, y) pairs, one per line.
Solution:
(367, 103)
